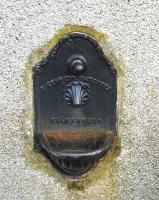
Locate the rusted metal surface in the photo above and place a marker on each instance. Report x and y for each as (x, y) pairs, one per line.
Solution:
(76, 141)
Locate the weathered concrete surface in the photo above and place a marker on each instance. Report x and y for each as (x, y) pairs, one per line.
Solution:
(132, 27)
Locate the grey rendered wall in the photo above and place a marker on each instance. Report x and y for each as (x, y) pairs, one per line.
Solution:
(133, 30)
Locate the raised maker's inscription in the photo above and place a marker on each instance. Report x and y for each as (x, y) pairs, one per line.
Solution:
(65, 79)
(72, 121)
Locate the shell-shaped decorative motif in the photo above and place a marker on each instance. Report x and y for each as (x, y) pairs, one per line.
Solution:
(76, 93)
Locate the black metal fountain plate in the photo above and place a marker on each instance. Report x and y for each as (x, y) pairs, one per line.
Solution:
(75, 91)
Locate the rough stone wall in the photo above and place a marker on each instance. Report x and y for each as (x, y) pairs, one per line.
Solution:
(133, 30)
